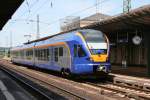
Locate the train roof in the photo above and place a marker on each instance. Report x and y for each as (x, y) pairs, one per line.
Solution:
(61, 37)
(44, 38)
(47, 40)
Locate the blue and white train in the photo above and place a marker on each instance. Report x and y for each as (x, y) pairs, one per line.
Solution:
(81, 52)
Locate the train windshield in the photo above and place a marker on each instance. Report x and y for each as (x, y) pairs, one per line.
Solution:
(95, 40)
(93, 36)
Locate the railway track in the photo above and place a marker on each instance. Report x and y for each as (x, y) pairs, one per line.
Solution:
(37, 91)
(75, 93)
(108, 89)
(123, 91)
(42, 95)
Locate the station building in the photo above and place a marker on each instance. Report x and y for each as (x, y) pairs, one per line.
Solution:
(129, 35)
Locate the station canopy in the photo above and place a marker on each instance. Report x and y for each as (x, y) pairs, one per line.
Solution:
(137, 19)
(7, 9)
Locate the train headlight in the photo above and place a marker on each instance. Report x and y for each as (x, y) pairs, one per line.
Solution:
(101, 68)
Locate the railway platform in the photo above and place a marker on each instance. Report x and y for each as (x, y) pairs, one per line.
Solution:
(10, 90)
(136, 71)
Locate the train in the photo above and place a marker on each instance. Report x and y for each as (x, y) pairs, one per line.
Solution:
(80, 52)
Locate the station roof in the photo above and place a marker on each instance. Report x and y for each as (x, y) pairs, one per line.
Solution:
(95, 17)
(137, 19)
(7, 9)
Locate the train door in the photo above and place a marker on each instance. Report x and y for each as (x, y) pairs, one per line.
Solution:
(61, 57)
(80, 59)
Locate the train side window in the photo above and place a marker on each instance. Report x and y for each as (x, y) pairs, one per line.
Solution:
(61, 51)
(56, 54)
(32, 53)
(43, 54)
(40, 54)
(36, 53)
(47, 54)
(44, 57)
(78, 51)
(50, 54)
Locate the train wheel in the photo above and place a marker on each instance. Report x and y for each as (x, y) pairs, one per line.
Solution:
(62, 71)
(65, 73)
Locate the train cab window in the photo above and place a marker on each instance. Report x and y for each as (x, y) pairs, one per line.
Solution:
(81, 52)
(75, 51)
(56, 54)
(78, 51)
(61, 51)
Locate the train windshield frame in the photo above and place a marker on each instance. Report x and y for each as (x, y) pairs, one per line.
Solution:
(96, 41)
(93, 36)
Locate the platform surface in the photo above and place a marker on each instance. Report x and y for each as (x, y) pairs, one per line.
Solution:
(10, 90)
(136, 71)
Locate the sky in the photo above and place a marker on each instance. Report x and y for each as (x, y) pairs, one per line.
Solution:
(23, 21)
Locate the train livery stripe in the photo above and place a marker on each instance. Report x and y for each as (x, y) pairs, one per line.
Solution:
(48, 45)
(42, 46)
(107, 45)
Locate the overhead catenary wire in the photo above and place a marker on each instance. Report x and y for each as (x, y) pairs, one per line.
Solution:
(52, 22)
(29, 20)
(27, 3)
(15, 20)
(39, 8)
(30, 6)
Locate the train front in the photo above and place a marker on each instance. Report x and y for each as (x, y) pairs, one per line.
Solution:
(98, 48)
